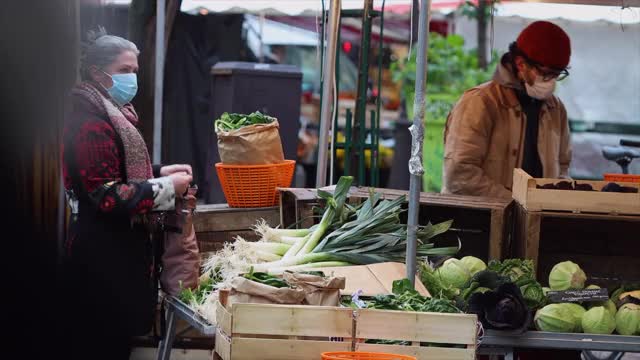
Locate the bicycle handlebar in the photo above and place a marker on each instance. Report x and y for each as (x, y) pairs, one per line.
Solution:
(629, 143)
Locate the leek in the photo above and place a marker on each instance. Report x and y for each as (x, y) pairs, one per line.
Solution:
(335, 204)
(293, 250)
(290, 240)
(316, 265)
(278, 235)
(272, 248)
(375, 235)
(267, 256)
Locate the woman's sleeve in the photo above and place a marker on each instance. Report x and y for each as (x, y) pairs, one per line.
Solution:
(98, 162)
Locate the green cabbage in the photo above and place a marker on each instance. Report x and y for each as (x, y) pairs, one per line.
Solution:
(473, 264)
(628, 319)
(567, 275)
(517, 270)
(453, 273)
(609, 304)
(577, 312)
(533, 295)
(598, 320)
(435, 285)
(555, 318)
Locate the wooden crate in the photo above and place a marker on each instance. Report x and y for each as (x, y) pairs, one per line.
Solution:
(283, 332)
(217, 223)
(606, 246)
(486, 222)
(525, 192)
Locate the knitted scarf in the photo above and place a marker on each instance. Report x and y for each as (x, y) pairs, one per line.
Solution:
(123, 119)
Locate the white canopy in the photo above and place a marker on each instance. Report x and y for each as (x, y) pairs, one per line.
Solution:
(290, 7)
(273, 33)
(314, 7)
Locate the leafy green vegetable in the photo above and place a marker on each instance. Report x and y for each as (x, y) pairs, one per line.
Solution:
(405, 298)
(197, 296)
(518, 270)
(434, 284)
(264, 278)
(533, 295)
(522, 274)
(228, 122)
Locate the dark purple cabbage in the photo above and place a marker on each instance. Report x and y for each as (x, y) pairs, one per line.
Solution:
(501, 309)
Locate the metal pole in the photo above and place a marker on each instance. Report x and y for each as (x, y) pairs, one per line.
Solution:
(158, 83)
(360, 115)
(417, 134)
(328, 74)
(261, 52)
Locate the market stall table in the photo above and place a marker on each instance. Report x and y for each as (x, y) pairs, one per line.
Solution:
(177, 309)
(505, 343)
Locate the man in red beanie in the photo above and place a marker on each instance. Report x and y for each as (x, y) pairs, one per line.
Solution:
(513, 121)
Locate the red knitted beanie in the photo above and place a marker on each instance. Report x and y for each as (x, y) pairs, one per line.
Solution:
(546, 44)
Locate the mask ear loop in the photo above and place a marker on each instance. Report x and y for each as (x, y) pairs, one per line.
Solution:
(111, 77)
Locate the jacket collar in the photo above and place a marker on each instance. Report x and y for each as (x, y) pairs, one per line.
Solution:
(509, 84)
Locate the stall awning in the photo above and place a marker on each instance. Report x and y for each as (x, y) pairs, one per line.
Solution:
(295, 7)
(313, 7)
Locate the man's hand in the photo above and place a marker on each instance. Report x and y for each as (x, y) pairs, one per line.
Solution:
(176, 168)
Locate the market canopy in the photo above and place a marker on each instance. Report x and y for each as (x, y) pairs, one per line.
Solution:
(314, 7)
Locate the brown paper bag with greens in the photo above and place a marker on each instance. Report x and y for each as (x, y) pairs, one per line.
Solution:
(248, 291)
(318, 290)
(257, 144)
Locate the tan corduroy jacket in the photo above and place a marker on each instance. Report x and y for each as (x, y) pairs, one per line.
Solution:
(484, 139)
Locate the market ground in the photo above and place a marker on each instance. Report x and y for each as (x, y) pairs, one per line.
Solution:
(179, 354)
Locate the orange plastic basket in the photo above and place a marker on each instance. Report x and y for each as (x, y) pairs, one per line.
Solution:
(357, 355)
(622, 177)
(247, 186)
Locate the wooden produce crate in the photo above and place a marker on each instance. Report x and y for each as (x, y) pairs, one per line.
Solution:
(216, 224)
(485, 223)
(525, 192)
(585, 227)
(605, 246)
(283, 332)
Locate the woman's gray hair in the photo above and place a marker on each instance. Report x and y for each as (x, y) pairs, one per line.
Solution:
(101, 50)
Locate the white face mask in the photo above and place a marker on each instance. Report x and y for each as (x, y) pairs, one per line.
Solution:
(541, 89)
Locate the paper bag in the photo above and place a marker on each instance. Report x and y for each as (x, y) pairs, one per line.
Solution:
(318, 290)
(257, 144)
(181, 258)
(248, 291)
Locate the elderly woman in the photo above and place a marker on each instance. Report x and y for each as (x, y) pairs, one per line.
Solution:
(110, 288)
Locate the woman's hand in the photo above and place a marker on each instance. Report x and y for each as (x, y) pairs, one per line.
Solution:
(176, 168)
(181, 181)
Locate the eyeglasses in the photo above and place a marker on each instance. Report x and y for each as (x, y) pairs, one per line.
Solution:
(548, 75)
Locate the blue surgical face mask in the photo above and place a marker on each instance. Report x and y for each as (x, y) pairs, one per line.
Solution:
(124, 89)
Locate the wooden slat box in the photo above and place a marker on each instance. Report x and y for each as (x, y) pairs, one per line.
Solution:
(288, 332)
(525, 192)
(606, 246)
(490, 220)
(216, 224)
(597, 230)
